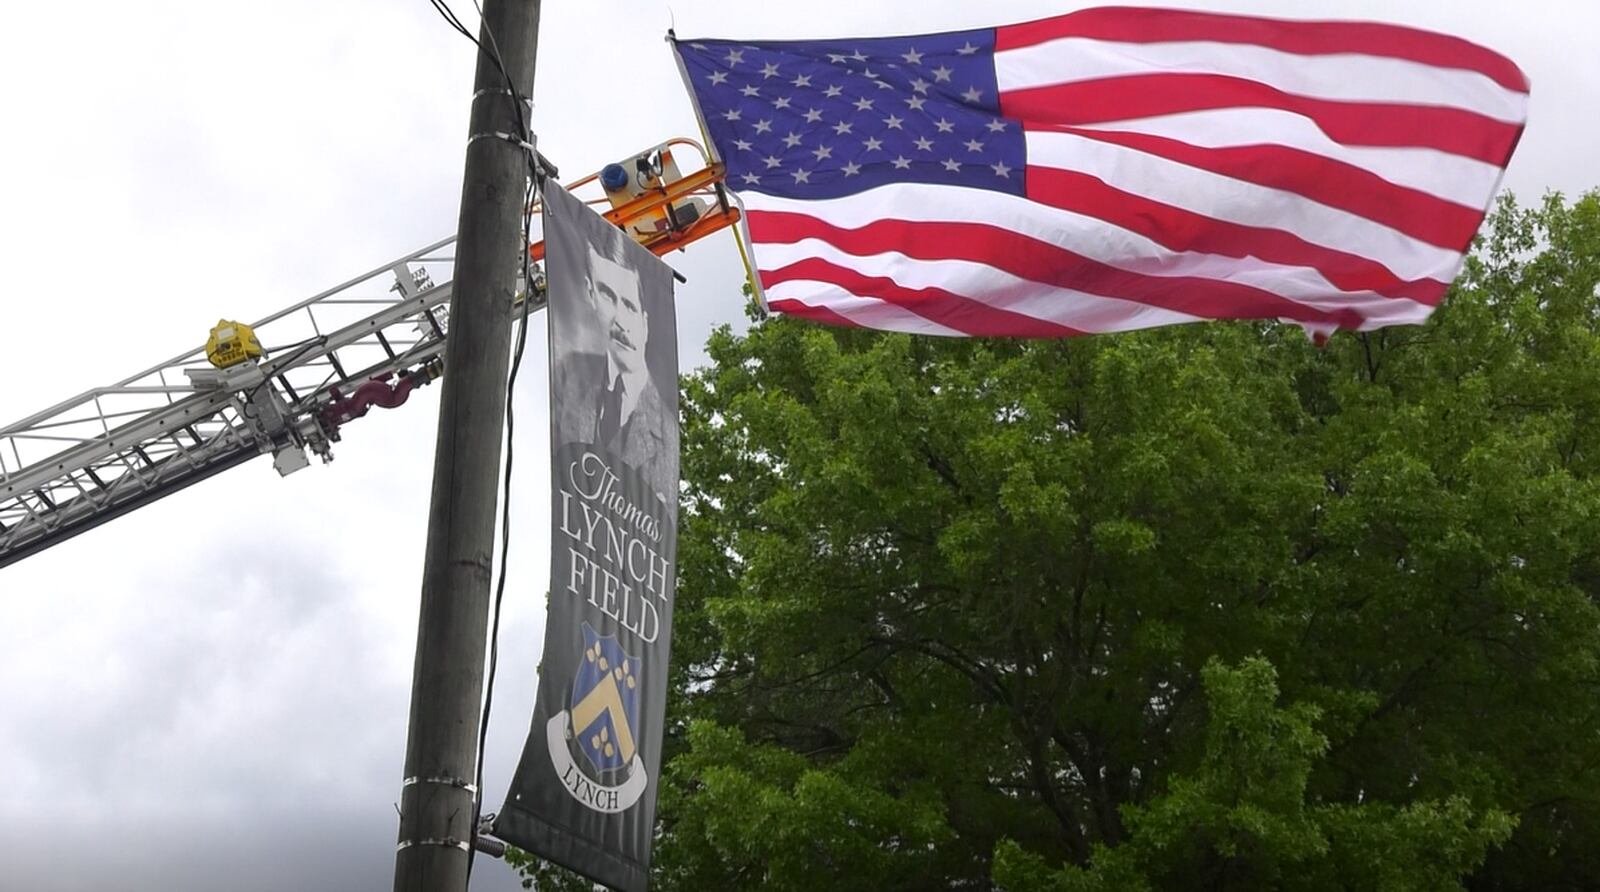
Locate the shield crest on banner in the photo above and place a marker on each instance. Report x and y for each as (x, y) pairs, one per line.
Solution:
(605, 702)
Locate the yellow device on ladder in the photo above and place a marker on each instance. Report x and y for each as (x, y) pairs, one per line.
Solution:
(231, 343)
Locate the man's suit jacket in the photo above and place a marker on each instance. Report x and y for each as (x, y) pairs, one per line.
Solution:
(641, 442)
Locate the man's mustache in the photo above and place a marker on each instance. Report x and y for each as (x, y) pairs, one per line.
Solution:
(620, 335)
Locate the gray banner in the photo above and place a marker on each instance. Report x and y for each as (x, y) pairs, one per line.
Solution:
(584, 795)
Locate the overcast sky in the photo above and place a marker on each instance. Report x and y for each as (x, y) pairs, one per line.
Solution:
(212, 692)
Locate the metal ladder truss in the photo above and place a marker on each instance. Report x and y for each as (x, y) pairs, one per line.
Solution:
(113, 449)
(368, 341)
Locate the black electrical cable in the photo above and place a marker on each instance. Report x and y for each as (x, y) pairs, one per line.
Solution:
(304, 347)
(449, 16)
(505, 522)
(492, 52)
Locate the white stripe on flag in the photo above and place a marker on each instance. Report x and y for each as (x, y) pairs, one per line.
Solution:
(1088, 237)
(1344, 77)
(1464, 181)
(986, 285)
(1236, 201)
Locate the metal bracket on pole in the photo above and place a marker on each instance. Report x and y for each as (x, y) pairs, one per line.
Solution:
(460, 783)
(486, 842)
(542, 164)
(447, 842)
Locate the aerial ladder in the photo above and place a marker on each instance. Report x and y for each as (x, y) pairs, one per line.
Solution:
(287, 384)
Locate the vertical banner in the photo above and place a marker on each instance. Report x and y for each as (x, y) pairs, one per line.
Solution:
(584, 795)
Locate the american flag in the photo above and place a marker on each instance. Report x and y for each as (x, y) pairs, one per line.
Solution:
(1110, 169)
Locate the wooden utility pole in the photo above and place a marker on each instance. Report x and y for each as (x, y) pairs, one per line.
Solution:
(436, 800)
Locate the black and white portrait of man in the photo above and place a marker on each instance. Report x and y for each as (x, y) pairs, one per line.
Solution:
(610, 348)
(584, 791)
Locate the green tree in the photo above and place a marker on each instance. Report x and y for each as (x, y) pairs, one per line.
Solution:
(1199, 607)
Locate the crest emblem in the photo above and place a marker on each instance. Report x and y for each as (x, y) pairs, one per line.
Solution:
(601, 721)
(605, 702)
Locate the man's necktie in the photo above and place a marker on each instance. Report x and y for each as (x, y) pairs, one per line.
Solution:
(610, 420)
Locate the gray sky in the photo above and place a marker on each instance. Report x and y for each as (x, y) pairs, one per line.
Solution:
(211, 693)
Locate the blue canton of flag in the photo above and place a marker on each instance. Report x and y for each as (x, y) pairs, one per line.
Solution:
(822, 119)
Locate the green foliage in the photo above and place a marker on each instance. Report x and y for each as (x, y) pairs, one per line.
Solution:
(773, 820)
(1200, 607)
(1242, 818)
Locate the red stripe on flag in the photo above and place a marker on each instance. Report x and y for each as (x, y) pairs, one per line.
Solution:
(1135, 25)
(816, 314)
(1182, 230)
(1352, 123)
(951, 310)
(1338, 184)
(1023, 257)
